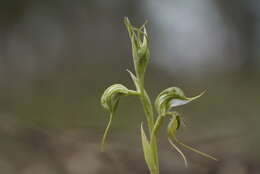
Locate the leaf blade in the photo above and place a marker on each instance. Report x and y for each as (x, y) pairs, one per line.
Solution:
(148, 155)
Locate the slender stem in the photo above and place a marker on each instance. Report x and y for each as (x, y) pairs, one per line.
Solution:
(156, 127)
(148, 109)
(106, 132)
(131, 92)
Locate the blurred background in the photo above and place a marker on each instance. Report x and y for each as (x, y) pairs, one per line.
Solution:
(58, 56)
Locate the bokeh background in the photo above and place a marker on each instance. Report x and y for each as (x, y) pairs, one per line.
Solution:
(58, 56)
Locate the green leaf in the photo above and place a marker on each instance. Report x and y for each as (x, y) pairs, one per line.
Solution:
(135, 80)
(172, 97)
(148, 154)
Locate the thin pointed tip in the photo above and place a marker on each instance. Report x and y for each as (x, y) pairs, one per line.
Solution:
(180, 152)
(126, 20)
(203, 92)
(215, 159)
(186, 165)
(102, 148)
(141, 125)
(198, 96)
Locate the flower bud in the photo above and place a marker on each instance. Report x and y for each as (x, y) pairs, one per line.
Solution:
(140, 48)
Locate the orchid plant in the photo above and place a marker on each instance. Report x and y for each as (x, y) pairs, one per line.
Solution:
(165, 102)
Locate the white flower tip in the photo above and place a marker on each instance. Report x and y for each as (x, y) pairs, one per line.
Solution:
(178, 102)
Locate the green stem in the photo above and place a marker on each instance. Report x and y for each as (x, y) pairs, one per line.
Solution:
(156, 127)
(131, 92)
(106, 132)
(148, 109)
